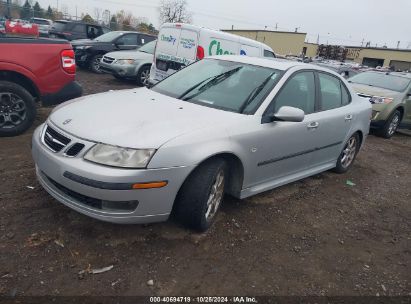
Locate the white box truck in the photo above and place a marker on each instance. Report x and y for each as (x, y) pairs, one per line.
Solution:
(179, 45)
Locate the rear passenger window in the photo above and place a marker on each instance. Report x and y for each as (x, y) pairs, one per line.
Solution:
(330, 90)
(346, 97)
(298, 92)
(79, 28)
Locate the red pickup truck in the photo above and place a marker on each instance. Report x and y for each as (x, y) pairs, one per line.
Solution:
(33, 70)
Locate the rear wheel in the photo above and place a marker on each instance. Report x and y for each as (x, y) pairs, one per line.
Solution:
(391, 125)
(143, 76)
(201, 195)
(348, 154)
(17, 109)
(95, 63)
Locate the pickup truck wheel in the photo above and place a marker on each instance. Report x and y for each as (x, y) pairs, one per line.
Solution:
(17, 109)
(95, 63)
(143, 76)
(391, 125)
(201, 195)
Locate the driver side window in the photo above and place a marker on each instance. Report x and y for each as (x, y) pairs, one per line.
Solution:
(298, 92)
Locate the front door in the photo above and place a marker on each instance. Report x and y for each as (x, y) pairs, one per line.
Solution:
(285, 148)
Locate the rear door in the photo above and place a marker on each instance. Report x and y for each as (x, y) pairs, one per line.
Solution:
(333, 118)
(407, 116)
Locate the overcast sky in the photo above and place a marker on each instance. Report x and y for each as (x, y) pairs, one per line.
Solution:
(336, 21)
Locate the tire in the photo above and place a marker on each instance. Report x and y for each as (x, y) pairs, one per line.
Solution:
(348, 154)
(194, 206)
(17, 109)
(143, 76)
(391, 125)
(95, 63)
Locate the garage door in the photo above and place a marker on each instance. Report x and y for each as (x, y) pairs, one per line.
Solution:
(401, 65)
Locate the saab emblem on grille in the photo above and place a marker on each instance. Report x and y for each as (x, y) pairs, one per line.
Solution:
(67, 121)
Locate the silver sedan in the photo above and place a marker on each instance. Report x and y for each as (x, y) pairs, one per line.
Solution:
(225, 125)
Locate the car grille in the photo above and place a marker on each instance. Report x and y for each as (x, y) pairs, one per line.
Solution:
(54, 140)
(74, 150)
(86, 200)
(108, 60)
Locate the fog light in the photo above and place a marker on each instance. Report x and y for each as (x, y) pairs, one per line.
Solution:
(119, 206)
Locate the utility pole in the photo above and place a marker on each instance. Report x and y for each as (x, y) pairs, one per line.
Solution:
(398, 44)
(8, 9)
(276, 26)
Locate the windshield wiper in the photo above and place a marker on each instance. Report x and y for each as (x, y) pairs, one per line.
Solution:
(209, 82)
(254, 93)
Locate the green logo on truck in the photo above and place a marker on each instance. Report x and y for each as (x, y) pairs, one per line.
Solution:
(215, 49)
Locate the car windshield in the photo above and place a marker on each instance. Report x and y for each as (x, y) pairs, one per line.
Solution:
(226, 85)
(148, 47)
(108, 37)
(381, 80)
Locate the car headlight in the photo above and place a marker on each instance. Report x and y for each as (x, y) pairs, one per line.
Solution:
(378, 100)
(125, 61)
(119, 157)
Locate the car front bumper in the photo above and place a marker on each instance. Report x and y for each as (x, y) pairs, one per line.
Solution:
(120, 70)
(153, 205)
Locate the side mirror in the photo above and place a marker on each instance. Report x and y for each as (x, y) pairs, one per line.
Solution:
(289, 114)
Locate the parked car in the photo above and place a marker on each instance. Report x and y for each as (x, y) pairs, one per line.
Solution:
(71, 30)
(342, 69)
(26, 78)
(90, 52)
(390, 96)
(181, 44)
(44, 25)
(130, 64)
(226, 124)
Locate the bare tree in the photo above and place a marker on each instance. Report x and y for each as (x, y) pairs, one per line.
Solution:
(97, 14)
(174, 11)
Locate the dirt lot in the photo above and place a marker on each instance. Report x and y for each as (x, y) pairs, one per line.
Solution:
(318, 236)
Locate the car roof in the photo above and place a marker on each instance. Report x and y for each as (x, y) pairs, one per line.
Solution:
(398, 74)
(274, 63)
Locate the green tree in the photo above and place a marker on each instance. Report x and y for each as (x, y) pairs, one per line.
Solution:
(38, 11)
(87, 18)
(113, 23)
(26, 12)
(49, 13)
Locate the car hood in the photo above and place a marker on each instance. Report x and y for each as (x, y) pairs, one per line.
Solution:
(136, 55)
(374, 91)
(137, 118)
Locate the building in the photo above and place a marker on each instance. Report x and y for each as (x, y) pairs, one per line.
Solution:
(283, 43)
(293, 43)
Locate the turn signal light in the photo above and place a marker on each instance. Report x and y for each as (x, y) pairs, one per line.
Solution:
(151, 185)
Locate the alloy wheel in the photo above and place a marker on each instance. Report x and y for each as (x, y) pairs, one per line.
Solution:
(12, 110)
(216, 196)
(145, 77)
(393, 125)
(349, 152)
(96, 63)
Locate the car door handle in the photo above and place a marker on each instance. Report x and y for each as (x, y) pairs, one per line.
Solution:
(348, 117)
(313, 125)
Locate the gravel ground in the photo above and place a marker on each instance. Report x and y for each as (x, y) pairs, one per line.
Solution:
(318, 236)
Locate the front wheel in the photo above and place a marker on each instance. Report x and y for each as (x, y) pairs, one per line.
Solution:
(348, 154)
(95, 64)
(391, 125)
(143, 76)
(201, 195)
(17, 109)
